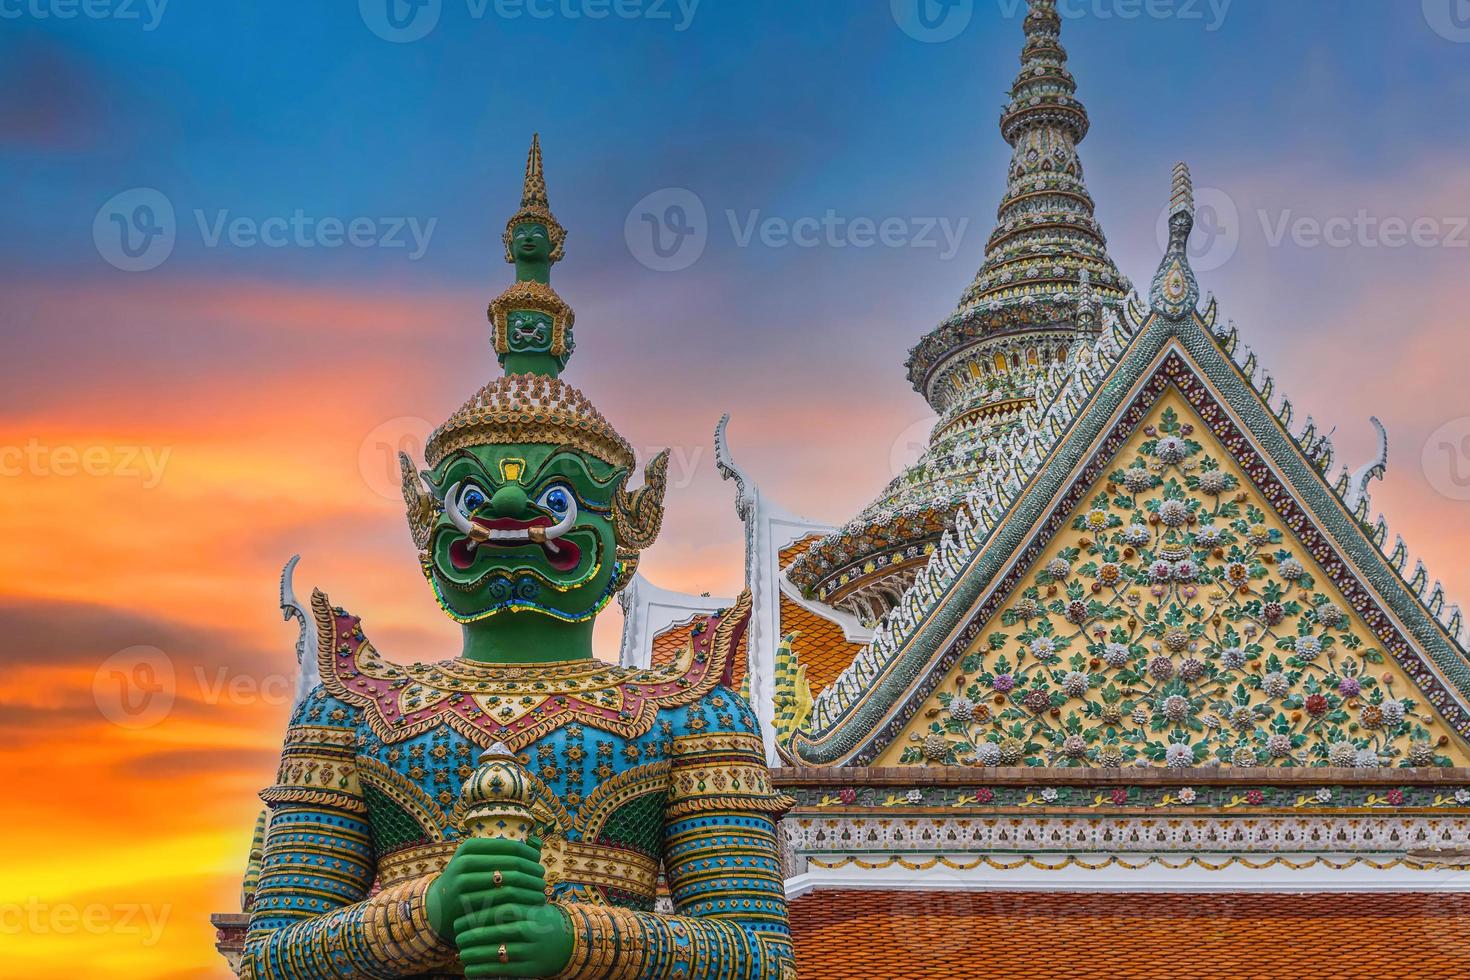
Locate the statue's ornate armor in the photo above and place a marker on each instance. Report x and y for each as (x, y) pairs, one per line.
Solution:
(635, 772)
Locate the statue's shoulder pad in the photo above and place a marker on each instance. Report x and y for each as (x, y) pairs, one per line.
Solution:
(711, 660)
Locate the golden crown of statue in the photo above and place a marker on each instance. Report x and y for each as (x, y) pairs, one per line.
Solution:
(522, 408)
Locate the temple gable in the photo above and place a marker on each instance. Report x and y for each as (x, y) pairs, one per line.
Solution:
(1176, 619)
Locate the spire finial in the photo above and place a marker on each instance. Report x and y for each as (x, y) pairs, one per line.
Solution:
(534, 195)
(535, 210)
(1175, 292)
(1182, 201)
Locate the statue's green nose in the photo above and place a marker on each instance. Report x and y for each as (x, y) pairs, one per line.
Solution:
(509, 501)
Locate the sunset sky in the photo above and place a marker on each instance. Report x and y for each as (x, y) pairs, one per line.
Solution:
(177, 422)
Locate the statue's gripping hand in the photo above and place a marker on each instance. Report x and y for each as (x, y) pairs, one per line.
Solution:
(491, 902)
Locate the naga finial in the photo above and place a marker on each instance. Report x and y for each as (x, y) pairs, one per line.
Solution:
(1175, 292)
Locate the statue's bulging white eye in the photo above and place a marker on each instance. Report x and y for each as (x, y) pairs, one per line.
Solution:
(472, 499)
(558, 500)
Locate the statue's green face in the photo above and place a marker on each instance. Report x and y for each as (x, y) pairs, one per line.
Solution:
(531, 242)
(524, 528)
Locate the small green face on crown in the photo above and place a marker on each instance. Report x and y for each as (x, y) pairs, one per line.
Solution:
(530, 242)
(528, 332)
(524, 528)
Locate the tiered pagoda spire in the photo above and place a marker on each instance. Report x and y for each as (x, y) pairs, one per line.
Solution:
(1047, 212)
(1027, 290)
(997, 365)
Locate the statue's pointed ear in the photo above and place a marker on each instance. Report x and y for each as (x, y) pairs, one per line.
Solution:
(638, 514)
(422, 506)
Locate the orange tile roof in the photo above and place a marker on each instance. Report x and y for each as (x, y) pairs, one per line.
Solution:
(796, 549)
(822, 648)
(671, 642)
(892, 935)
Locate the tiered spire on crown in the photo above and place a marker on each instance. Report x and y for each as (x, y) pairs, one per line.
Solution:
(533, 341)
(533, 325)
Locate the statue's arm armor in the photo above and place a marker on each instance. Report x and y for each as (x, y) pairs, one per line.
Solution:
(313, 918)
(723, 863)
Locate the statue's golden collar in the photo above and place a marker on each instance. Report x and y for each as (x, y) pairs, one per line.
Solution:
(515, 703)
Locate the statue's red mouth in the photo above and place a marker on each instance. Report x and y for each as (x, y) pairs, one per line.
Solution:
(504, 532)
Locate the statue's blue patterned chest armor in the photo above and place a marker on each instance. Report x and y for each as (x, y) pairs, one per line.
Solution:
(602, 796)
(598, 742)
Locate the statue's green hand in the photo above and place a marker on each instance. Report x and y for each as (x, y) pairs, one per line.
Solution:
(537, 940)
(468, 907)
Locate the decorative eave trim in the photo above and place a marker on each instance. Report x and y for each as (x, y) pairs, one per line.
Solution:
(769, 528)
(854, 776)
(1187, 875)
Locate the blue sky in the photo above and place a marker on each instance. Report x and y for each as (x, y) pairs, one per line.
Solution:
(784, 106)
